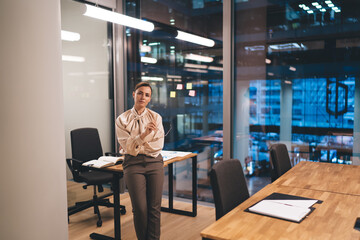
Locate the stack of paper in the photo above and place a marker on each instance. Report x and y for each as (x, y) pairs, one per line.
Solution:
(291, 209)
(103, 161)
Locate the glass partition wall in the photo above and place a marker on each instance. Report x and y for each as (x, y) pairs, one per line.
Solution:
(87, 81)
(297, 81)
(186, 79)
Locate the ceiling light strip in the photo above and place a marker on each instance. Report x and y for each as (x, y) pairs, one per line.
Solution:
(106, 15)
(195, 39)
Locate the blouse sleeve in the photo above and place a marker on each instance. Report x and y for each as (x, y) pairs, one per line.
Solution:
(130, 144)
(156, 143)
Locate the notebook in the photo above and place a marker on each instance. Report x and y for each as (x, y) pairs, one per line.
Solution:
(103, 161)
(284, 206)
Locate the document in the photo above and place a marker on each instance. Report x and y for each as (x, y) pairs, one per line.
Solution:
(103, 161)
(283, 206)
(167, 155)
(280, 210)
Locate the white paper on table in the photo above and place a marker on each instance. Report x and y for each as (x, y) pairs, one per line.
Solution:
(280, 210)
(167, 155)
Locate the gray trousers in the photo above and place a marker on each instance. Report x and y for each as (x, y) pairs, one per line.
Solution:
(145, 184)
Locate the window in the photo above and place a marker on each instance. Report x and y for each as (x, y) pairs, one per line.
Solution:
(186, 79)
(300, 66)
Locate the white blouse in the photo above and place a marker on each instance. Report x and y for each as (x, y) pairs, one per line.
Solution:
(130, 125)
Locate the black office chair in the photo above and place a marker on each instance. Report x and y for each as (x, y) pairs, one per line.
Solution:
(228, 186)
(280, 160)
(85, 146)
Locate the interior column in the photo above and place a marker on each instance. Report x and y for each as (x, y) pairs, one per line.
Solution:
(32, 173)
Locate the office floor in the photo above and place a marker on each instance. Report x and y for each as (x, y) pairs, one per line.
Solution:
(172, 226)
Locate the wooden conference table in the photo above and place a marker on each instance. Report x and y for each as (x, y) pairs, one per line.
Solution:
(334, 218)
(117, 171)
(330, 177)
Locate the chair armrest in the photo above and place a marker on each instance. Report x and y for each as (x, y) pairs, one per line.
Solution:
(75, 170)
(70, 160)
(113, 154)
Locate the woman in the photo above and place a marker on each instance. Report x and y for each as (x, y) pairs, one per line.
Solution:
(140, 134)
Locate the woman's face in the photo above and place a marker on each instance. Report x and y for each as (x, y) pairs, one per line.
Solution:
(142, 97)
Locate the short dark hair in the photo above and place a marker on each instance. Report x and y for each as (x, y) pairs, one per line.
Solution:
(142, 84)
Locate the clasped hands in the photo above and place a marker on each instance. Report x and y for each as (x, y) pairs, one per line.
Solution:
(151, 126)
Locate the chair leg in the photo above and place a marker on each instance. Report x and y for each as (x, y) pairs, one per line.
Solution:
(96, 208)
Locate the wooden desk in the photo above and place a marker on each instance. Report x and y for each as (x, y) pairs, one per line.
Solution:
(329, 177)
(332, 219)
(117, 171)
(117, 174)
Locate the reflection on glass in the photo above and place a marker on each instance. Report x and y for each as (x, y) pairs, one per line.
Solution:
(186, 78)
(86, 81)
(297, 67)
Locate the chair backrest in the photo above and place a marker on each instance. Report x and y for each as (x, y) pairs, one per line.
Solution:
(228, 186)
(85, 144)
(279, 157)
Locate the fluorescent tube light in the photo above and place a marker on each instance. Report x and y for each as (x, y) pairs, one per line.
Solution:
(200, 58)
(69, 36)
(255, 48)
(214, 68)
(173, 76)
(118, 18)
(195, 39)
(285, 46)
(144, 48)
(196, 70)
(190, 65)
(148, 60)
(97, 73)
(147, 78)
(73, 58)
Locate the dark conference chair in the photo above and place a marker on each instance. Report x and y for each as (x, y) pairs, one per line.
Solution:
(85, 146)
(280, 160)
(228, 186)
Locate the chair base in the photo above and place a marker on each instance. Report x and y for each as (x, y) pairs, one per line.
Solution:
(95, 202)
